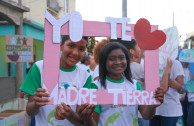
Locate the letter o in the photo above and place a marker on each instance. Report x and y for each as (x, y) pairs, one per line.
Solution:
(75, 26)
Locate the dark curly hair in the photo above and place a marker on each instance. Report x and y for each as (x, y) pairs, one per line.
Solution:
(106, 49)
(97, 48)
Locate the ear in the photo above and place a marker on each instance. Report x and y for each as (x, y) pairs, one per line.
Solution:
(61, 45)
(132, 52)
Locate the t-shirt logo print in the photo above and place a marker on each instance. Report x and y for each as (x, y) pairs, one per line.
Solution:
(63, 85)
(111, 119)
(51, 119)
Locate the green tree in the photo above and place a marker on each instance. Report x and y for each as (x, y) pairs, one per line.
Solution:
(91, 43)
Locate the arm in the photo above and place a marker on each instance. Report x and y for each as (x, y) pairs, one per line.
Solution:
(93, 120)
(148, 111)
(167, 69)
(178, 84)
(86, 112)
(36, 101)
(64, 111)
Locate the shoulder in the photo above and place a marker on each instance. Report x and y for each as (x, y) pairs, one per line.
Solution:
(177, 68)
(136, 67)
(82, 68)
(176, 63)
(39, 64)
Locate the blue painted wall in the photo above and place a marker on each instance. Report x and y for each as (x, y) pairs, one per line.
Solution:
(33, 29)
(7, 29)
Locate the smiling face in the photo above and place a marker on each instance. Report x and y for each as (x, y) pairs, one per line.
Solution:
(116, 63)
(72, 53)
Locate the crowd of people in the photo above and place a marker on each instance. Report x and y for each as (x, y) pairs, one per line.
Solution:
(114, 64)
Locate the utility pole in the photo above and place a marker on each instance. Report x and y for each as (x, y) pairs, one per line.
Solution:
(173, 19)
(66, 6)
(19, 66)
(124, 8)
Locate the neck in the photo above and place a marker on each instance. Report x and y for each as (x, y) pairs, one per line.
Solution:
(115, 77)
(132, 60)
(65, 66)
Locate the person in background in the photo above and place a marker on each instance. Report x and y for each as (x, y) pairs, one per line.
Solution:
(170, 110)
(85, 61)
(184, 96)
(190, 119)
(96, 53)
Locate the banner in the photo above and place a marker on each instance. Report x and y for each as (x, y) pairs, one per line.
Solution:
(19, 48)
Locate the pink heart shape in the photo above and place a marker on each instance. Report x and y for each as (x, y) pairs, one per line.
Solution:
(146, 39)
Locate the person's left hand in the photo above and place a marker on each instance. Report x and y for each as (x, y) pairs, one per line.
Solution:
(63, 112)
(159, 94)
(85, 111)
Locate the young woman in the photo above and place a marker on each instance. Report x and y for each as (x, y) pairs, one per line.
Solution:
(96, 52)
(137, 71)
(115, 73)
(70, 75)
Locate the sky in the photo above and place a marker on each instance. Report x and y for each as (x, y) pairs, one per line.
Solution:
(158, 12)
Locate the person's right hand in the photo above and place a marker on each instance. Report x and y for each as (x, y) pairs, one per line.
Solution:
(41, 98)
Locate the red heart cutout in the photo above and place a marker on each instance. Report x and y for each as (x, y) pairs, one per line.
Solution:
(146, 39)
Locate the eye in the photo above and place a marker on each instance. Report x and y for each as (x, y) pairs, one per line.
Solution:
(111, 58)
(71, 46)
(82, 49)
(122, 57)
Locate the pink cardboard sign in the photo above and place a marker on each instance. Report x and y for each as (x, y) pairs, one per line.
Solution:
(90, 28)
(72, 96)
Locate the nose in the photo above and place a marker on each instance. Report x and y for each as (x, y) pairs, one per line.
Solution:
(75, 51)
(117, 61)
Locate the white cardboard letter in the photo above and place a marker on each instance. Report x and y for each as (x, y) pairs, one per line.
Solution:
(62, 96)
(125, 28)
(83, 96)
(144, 96)
(113, 25)
(56, 25)
(69, 102)
(115, 92)
(92, 96)
(75, 26)
(129, 96)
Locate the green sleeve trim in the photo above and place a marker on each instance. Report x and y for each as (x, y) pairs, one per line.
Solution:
(98, 109)
(138, 86)
(93, 86)
(88, 70)
(88, 82)
(32, 81)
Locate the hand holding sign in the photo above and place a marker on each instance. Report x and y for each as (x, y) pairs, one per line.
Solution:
(63, 111)
(38, 97)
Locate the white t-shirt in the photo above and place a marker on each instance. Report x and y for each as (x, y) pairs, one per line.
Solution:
(75, 77)
(96, 72)
(117, 115)
(171, 107)
(187, 75)
(83, 66)
(137, 71)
